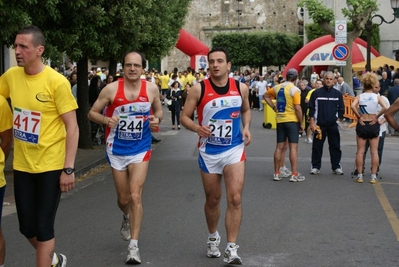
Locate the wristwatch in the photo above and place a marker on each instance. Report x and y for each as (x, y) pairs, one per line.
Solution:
(69, 170)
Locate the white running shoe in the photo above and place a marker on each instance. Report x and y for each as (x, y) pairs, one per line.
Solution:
(359, 178)
(277, 177)
(125, 229)
(315, 171)
(133, 255)
(298, 178)
(62, 261)
(373, 179)
(213, 247)
(285, 172)
(338, 171)
(231, 257)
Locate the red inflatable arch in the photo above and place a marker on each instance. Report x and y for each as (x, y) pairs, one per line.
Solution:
(192, 47)
(318, 53)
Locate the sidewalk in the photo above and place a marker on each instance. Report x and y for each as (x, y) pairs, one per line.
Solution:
(86, 160)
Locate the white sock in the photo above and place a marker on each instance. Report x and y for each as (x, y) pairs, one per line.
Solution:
(126, 216)
(215, 234)
(133, 242)
(229, 244)
(2, 265)
(55, 259)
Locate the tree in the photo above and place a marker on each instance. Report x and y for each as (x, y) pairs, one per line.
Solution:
(96, 29)
(358, 13)
(258, 49)
(313, 31)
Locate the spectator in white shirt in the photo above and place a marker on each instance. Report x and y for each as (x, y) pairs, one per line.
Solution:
(261, 90)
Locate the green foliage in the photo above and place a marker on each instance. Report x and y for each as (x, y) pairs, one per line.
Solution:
(96, 29)
(100, 29)
(317, 11)
(314, 31)
(356, 10)
(357, 13)
(13, 16)
(259, 48)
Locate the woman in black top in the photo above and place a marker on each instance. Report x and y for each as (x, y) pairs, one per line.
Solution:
(175, 95)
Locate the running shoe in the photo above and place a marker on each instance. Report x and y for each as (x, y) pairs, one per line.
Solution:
(231, 257)
(315, 171)
(338, 171)
(277, 177)
(285, 172)
(359, 178)
(133, 255)
(373, 179)
(298, 178)
(125, 229)
(62, 260)
(213, 247)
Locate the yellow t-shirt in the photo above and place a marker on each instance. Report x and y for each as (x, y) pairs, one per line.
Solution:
(308, 98)
(190, 78)
(309, 94)
(164, 82)
(183, 81)
(5, 124)
(37, 103)
(285, 101)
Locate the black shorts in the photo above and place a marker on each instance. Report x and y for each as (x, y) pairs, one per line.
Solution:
(367, 131)
(36, 197)
(288, 130)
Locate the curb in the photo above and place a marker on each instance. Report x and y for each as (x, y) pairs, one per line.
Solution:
(89, 167)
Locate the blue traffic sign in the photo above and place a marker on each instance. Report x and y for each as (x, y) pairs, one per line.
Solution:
(340, 52)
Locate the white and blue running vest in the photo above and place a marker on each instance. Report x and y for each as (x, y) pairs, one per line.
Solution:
(132, 135)
(223, 114)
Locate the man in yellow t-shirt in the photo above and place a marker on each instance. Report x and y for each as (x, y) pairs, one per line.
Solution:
(183, 80)
(164, 85)
(5, 145)
(289, 122)
(46, 138)
(189, 76)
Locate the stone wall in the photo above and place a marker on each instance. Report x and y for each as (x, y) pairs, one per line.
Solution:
(209, 17)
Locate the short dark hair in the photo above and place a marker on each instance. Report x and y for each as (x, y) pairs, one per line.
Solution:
(142, 55)
(220, 49)
(173, 84)
(38, 36)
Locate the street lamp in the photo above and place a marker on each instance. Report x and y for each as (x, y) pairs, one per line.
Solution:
(369, 27)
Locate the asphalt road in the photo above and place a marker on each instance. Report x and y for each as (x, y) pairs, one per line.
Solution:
(327, 220)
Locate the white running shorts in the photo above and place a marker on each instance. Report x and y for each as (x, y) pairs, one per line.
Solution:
(120, 163)
(216, 163)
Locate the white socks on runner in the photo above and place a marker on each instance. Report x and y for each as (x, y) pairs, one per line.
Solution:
(215, 234)
(133, 242)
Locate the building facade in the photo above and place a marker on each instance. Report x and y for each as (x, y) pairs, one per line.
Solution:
(209, 17)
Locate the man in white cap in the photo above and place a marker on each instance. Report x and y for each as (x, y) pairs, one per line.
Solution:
(102, 75)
